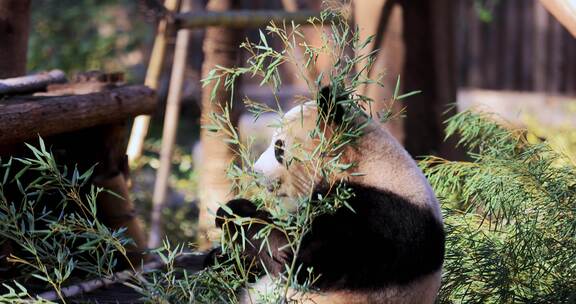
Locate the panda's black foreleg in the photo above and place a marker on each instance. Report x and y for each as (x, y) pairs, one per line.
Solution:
(269, 253)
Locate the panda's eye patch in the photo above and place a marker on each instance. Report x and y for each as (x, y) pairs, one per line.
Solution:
(279, 150)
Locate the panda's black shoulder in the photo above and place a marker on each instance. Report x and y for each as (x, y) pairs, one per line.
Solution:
(381, 239)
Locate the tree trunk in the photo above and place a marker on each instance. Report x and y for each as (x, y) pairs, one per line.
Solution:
(14, 24)
(220, 48)
(430, 68)
(383, 18)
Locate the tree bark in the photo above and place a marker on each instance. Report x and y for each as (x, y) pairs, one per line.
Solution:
(26, 118)
(14, 27)
(383, 18)
(220, 48)
(430, 68)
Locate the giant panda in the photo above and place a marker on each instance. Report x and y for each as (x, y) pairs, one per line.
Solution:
(386, 246)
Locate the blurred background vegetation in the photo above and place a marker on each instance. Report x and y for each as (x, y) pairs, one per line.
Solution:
(74, 36)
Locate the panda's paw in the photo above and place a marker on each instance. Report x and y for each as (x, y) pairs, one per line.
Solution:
(240, 207)
(213, 257)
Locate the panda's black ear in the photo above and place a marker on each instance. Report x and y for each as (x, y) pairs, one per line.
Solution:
(330, 106)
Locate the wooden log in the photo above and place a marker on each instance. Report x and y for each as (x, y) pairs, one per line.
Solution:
(26, 118)
(31, 83)
(242, 18)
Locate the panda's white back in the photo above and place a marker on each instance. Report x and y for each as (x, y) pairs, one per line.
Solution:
(388, 171)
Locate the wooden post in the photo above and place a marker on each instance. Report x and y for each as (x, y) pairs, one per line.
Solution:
(220, 48)
(169, 131)
(117, 211)
(14, 26)
(142, 122)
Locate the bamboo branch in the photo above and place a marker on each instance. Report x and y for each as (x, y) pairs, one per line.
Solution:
(241, 18)
(31, 83)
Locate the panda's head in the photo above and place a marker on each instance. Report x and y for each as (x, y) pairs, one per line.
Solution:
(290, 165)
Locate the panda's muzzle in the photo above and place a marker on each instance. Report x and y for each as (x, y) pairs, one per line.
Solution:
(270, 184)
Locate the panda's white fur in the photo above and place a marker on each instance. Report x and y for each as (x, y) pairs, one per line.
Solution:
(397, 171)
(422, 291)
(385, 165)
(390, 179)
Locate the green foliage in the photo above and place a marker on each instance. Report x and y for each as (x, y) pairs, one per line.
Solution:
(83, 35)
(18, 294)
(485, 9)
(52, 221)
(510, 217)
(176, 285)
(180, 216)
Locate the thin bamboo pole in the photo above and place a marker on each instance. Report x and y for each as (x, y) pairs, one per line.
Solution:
(142, 122)
(169, 131)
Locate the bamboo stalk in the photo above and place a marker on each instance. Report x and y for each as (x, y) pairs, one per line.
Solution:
(169, 131)
(142, 122)
(241, 18)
